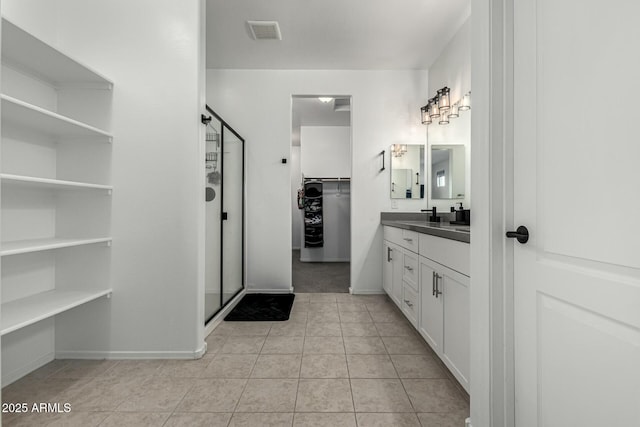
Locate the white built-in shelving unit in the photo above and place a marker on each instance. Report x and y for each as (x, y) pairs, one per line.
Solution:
(56, 195)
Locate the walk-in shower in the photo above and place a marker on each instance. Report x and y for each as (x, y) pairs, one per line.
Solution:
(224, 211)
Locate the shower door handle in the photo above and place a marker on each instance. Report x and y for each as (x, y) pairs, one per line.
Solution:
(225, 216)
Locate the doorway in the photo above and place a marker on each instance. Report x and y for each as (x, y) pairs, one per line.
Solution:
(321, 193)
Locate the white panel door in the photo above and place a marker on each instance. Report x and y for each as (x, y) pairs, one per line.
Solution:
(576, 188)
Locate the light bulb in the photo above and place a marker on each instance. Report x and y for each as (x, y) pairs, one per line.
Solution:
(443, 99)
(453, 111)
(465, 104)
(444, 119)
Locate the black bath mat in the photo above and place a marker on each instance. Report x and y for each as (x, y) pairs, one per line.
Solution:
(262, 308)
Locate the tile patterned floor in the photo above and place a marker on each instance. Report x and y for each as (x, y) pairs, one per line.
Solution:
(319, 276)
(341, 360)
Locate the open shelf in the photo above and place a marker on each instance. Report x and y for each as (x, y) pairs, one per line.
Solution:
(36, 245)
(30, 116)
(55, 184)
(26, 311)
(23, 51)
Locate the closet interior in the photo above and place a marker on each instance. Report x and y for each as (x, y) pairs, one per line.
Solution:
(56, 200)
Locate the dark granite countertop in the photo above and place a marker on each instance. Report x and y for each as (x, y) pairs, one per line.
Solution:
(461, 233)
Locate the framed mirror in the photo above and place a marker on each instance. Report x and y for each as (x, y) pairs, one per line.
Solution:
(447, 171)
(407, 171)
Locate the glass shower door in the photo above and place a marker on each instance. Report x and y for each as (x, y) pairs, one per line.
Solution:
(224, 213)
(232, 214)
(213, 215)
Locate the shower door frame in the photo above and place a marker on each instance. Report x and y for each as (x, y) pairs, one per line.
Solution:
(224, 125)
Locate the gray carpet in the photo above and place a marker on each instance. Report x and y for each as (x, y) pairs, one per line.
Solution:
(312, 277)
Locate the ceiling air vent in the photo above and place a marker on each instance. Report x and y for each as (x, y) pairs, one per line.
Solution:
(265, 30)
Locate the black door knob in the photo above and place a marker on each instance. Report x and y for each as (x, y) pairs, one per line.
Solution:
(522, 234)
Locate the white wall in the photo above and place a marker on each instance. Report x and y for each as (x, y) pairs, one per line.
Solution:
(154, 54)
(257, 103)
(296, 183)
(325, 151)
(452, 69)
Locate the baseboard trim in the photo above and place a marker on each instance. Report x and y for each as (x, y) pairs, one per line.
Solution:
(121, 355)
(16, 374)
(325, 260)
(218, 318)
(367, 291)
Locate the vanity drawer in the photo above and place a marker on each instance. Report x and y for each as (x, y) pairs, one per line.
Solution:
(410, 303)
(451, 253)
(408, 239)
(410, 269)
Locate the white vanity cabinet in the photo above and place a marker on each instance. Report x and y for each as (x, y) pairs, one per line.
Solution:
(400, 269)
(444, 316)
(428, 278)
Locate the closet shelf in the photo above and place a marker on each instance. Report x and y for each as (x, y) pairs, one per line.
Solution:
(18, 247)
(26, 311)
(23, 114)
(48, 183)
(23, 51)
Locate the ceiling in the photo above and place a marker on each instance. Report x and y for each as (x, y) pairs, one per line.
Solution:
(333, 34)
(310, 111)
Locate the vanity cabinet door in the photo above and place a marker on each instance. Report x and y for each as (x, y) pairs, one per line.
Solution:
(392, 271)
(431, 306)
(455, 344)
(387, 268)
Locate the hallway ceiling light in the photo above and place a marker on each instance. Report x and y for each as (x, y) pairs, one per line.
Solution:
(325, 99)
(265, 30)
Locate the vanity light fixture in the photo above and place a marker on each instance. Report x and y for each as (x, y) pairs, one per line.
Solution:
(453, 111)
(440, 106)
(424, 114)
(325, 99)
(444, 118)
(443, 99)
(435, 111)
(398, 150)
(465, 104)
